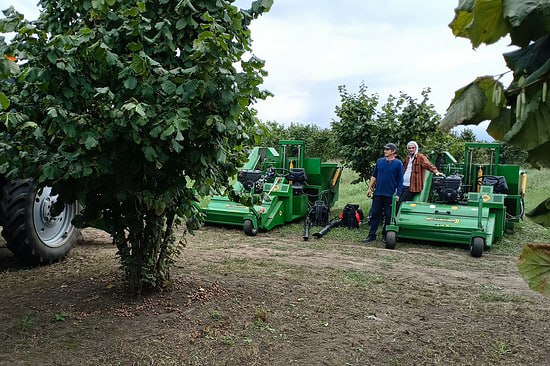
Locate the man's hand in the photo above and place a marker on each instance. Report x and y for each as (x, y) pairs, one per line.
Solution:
(369, 192)
(439, 174)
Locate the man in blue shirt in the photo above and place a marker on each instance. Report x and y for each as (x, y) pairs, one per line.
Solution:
(387, 177)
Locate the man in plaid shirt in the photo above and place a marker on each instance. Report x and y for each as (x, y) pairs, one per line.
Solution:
(415, 166)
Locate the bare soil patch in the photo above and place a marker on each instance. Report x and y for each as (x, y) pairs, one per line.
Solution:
(274, 299)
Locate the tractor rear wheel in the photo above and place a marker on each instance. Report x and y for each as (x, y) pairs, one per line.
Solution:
(391, 239)
(32, 232)
(477, 246)
(249, 229)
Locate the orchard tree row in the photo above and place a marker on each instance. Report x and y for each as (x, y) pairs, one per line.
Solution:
(364, 124)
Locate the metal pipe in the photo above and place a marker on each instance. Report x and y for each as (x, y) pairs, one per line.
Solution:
(468, 169)
(492, 159)
(479, 211)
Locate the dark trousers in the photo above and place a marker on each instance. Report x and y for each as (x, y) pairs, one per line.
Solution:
(407, 195)
(381, 206)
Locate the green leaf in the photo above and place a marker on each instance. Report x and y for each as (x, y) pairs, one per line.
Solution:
(541, 213)
(52, 112)
(111, 58)
(540, 156)
(140, 110)
(132, 12)
(87, 171)
(499, 126)
(167, 132)
(29, 124)
(98, 4)
(150, 154)
(182, 22)
(460, 22)
(90, 142)
(138, 65)
(530, 62)
(529, 19)
(134, 46)
(104, 90)
(168, 87)
(481, 21)
(52, 57)
(489, 25)
(534, 266)
(466, 107)
(130, 83)
(4, 101)
(533, 130)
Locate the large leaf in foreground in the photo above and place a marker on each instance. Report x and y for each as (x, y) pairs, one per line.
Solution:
(531, 128)
(534, 266)
(474, 103)
(529, 20)
(480, 21)
(541, 213)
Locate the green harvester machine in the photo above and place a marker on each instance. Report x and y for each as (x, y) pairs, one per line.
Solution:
(471, 205)
(275, 186)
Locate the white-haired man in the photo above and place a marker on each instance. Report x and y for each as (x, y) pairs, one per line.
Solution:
(415, 165)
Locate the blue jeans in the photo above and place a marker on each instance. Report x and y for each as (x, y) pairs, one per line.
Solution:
(381, 205)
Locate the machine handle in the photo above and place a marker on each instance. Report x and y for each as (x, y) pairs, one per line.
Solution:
(443, 212)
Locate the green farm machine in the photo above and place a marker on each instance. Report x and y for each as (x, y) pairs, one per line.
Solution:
(275, 186)
(472, 204)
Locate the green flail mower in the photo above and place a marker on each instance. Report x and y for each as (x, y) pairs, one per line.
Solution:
(275, 186)
(471, 205)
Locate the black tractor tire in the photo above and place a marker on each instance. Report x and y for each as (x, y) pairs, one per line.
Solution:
(391, 239)
(477, 246)
(249, 229)
(31, 232)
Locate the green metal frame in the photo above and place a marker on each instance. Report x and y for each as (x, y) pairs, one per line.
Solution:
(280, 200)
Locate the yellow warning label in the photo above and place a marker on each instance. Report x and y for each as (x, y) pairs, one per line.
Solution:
(486, 198)
(440, 219)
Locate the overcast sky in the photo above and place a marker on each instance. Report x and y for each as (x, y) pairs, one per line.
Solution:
(313, 46)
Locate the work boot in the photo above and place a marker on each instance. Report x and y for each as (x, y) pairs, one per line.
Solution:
(369, 239)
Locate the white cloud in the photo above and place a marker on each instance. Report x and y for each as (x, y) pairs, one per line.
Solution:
(398, 48)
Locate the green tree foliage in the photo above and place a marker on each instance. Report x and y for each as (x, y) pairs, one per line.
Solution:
(365, 126)
(520, 112)
(510, 154)
(132, 108)
(320, 142)
(467, 135)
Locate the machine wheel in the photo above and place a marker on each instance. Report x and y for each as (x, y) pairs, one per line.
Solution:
(476, 249)
(31, 231)
(249, 229)
(391, 239)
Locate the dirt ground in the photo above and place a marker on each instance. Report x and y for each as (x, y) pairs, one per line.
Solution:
(275, 299)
